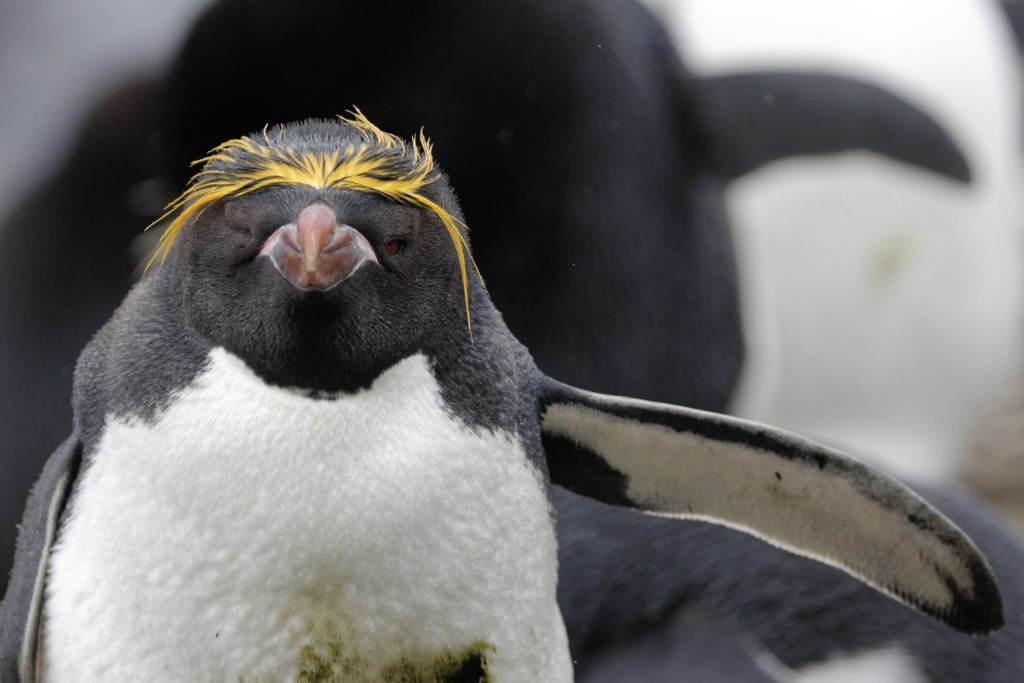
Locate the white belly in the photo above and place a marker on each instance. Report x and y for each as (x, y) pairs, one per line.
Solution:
(255, 534)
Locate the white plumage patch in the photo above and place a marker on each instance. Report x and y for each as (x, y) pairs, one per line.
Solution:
(252, 533)
(886, 665)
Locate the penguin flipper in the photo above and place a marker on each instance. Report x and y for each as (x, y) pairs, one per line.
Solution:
(21, 609)
(752, 119)
(791, 492)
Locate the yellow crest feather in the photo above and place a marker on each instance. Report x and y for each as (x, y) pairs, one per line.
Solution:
(380, 163)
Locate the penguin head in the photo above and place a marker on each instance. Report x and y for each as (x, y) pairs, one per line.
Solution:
(322, 253)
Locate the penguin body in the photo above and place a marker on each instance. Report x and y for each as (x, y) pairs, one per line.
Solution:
(374, 464)
(248, 581)
(308, 448)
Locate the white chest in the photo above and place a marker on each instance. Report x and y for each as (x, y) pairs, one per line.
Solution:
(254, 534)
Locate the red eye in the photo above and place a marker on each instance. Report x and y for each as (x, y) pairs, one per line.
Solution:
(393, 247)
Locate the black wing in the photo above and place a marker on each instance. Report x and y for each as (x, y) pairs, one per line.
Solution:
(786, 490)
(753, 118)
(21, 608)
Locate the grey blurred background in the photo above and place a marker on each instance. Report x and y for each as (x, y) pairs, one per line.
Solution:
(57, 57)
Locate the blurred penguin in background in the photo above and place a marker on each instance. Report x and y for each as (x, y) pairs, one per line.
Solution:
(882, 304)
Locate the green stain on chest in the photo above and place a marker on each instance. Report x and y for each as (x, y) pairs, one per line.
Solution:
(468, 665)
(329, 648)
(327, 662)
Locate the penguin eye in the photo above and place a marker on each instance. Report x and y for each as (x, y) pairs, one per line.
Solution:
(393, 247)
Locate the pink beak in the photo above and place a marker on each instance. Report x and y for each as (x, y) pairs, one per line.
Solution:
(314, 252)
